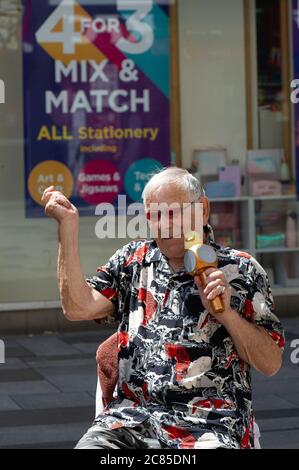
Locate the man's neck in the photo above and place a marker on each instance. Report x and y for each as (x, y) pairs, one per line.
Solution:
(176, 264)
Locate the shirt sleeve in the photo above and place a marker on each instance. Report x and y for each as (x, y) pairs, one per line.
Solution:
(259, 303)
(108, 279)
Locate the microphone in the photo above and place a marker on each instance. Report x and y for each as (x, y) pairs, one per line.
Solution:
(197, 259)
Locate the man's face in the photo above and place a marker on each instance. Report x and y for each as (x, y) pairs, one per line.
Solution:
(171, 215)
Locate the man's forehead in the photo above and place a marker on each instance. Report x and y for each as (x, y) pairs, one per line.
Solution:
(169, 193)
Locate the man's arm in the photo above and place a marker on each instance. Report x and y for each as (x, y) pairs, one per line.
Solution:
(79, 300)
(253, 343)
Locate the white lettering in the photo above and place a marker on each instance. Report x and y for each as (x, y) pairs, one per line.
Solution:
(78, 71)
(93, 101)
(98, 95)
(98, 71)
(295, 353)
(294, 94)
(56, 101)
(2, 352)
(65, 71)
(100, 25)
(81, 102)
(113, 101)
(2, 92)
(141, 100)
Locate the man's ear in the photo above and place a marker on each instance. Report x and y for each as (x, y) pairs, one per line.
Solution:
(206, 209)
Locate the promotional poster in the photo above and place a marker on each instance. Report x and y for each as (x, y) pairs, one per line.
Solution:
(96, 99)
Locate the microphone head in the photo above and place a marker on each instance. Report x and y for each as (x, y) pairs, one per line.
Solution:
(198, 258)
(207, 254)
(190, 261)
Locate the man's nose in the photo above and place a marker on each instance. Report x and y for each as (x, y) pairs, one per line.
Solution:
(171, 225)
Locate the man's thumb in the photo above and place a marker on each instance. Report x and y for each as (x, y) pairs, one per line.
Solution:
(198, 283)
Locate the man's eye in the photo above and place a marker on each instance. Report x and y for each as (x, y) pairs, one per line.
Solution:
(153, 215)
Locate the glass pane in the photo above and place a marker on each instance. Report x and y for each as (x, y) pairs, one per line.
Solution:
(269, 55)
(230, 223)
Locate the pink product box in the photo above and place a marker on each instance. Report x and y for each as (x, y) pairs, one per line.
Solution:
(224, 220)
(265, 187)
(231, 174)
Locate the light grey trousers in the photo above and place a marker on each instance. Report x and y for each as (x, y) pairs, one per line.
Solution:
(100, 437)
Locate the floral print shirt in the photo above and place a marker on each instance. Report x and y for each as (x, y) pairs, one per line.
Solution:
(178, 366)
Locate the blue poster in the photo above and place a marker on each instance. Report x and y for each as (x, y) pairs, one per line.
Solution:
(96, 99)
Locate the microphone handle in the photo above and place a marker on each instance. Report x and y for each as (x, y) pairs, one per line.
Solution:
(217, 303)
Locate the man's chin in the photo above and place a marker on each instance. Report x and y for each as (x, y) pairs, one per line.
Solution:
(171, 239)
(171, 246)
(172, 236)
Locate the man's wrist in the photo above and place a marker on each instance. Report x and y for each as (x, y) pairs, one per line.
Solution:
(227, 317)
(70, 223)
(68, 228)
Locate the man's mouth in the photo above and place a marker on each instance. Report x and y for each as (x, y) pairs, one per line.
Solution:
(170, 237)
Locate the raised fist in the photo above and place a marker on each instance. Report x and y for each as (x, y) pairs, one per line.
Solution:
(58, 206)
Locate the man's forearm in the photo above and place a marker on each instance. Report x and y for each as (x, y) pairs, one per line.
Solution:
(254, 345)
(79, 300)
(77, 297)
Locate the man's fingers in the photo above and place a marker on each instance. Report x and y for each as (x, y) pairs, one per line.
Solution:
(62, 200)
(47, 194)
(55, 205)
(57, 200)
(210, 271)
(59, 197)
(198, 282)
(215, 292)
(55, 197)
(213, 285)
(215, 274)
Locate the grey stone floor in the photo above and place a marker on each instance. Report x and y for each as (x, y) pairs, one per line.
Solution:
(47, 389)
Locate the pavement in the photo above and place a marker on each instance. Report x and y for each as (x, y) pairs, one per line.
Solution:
(48, 383)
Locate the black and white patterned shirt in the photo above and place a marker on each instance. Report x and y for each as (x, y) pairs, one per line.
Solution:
(178, 366)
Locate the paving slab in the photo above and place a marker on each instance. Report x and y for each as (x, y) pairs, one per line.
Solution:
(46, 345)
(7, 403)
(21, 388)
(36, 436)
(48, 384)
(74, 382)
(53, 400)
(86, 347)
(271, 402)
(20, 375)
(61, 363)
(279, 440)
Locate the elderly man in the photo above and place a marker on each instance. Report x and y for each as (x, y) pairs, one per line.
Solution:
(184, 372)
